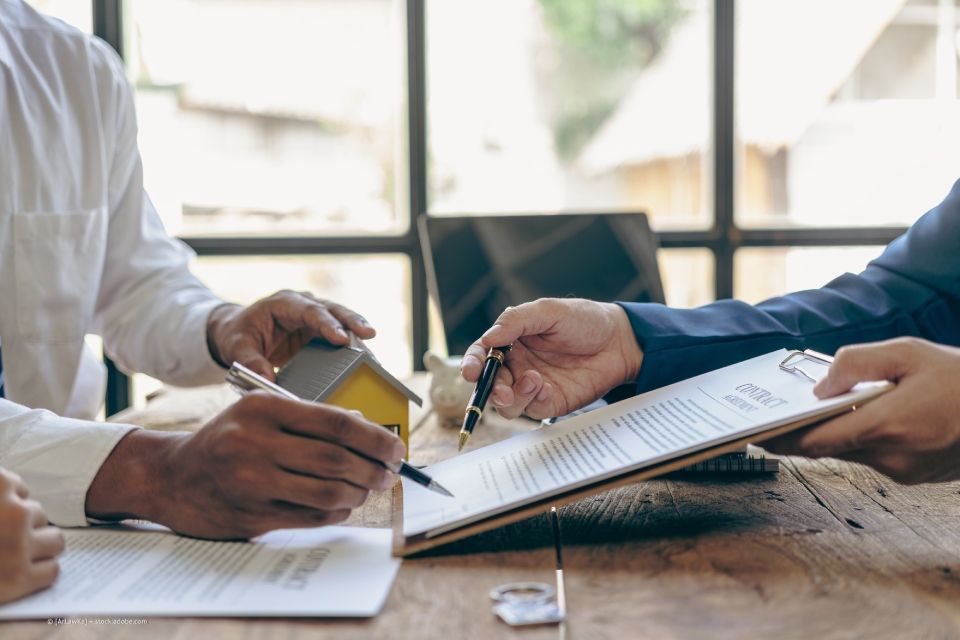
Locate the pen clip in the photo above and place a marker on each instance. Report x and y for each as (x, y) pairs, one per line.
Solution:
(244, 380)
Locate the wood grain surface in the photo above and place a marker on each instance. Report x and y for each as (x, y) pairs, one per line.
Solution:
(822, 550)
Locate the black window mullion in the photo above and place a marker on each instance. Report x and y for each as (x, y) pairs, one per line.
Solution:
(417, 170)
(108, 23)
(723, 146)
(108, 26)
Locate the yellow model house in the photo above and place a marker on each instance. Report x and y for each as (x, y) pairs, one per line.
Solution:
(351, 378)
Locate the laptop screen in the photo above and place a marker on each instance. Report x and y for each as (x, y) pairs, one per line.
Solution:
(478, 265)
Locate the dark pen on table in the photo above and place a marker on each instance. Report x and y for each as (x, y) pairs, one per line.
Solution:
(478, 400)
(244, 379)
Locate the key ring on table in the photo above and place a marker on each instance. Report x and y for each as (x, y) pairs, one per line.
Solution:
(523, 592)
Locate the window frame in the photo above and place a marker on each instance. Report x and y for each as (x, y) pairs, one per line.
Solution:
(723, 238)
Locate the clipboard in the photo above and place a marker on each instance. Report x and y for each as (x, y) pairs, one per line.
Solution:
(792, 363)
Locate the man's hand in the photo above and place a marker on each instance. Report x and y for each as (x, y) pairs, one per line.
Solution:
(911, 433)
(265, 463)
(28, 546)
(271, 331)
(566, 353)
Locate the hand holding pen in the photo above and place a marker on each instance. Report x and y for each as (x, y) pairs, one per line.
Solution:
(244, 380)
(566, 353)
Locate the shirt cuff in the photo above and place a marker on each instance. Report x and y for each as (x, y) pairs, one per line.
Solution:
(197, 366)
(58, 458)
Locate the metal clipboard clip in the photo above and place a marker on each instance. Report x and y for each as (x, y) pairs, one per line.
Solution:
(789, 364)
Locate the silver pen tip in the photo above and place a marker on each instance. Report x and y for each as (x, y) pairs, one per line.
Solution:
(439, 488)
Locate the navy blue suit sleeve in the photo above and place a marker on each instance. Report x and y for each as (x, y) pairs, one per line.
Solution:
(912, 289)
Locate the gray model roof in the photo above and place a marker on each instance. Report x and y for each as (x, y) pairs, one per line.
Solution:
(319, 368)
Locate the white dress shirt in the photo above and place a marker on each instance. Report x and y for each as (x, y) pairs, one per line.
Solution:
(82, 250)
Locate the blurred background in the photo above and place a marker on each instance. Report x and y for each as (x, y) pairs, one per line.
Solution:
(774, 144)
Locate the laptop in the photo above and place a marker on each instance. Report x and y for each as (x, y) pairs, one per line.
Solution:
(478, 265)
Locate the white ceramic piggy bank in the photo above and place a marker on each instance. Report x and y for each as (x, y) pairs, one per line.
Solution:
(449, 392)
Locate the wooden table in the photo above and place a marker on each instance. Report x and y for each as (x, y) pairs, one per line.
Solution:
(823, 550)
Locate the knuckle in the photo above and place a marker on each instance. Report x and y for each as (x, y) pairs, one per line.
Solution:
(9, 479)
(339, 424)
(243, 476)
(332, 495)
(904, 346)
(843, 355)
(34, 509)
(334, 460)
(239, 444)
(283, 293)
(383, 442)
(910, 342)
(18, 515)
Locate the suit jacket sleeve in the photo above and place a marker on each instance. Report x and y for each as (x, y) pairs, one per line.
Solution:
(912, 289)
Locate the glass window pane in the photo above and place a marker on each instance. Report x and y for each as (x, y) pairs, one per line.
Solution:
(76, 13)
(688, 276)
(587, 105)
(847, 111)
(377, 286)
(269, 116)
(764, 273)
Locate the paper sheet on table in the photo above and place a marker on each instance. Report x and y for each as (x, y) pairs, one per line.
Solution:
(721, 406)
(326, 572)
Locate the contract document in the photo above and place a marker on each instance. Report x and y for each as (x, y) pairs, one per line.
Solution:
(149, 571)
(672, 423)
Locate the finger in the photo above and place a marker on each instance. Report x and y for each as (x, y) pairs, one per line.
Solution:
(544, 405)
(528, 319)
(352, 320)
(37, 516)
(251, 357)
(329, 423)
(321, 322)
(325, 460)
(502, 395)
(328, 495)
(48, 543)
(41, 575)
(472, 363)
(14, 481)
(524, 391)
(860, 363)
(297, 311)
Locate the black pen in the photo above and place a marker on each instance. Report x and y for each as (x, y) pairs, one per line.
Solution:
(478, 400)
(243, 379)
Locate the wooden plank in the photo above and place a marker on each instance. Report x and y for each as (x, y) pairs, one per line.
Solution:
(828, 584)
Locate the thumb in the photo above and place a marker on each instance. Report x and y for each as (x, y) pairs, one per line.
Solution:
(861, 363)
(527, 319)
